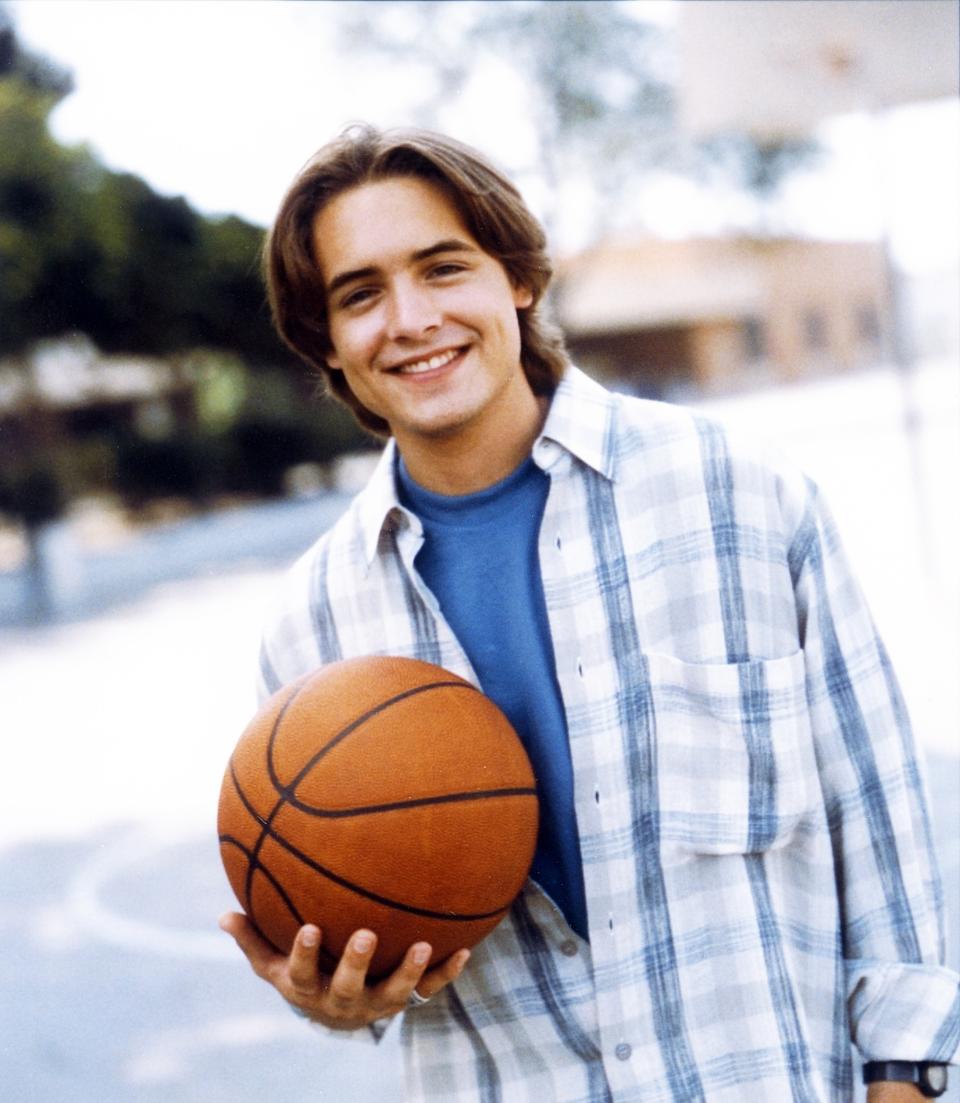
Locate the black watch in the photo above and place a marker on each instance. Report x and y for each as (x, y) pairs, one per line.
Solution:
(929, 1076)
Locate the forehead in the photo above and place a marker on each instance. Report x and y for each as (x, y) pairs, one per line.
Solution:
(382, 224)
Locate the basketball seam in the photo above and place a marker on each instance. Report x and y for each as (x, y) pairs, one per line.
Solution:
(414, 802)
(281, 891)
(286, 794)
(269, 832)
(286, 791)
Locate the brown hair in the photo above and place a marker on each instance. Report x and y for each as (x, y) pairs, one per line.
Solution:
(490, 206)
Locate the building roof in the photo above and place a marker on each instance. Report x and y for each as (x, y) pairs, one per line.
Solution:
(777, 69)
(654, 283)
(621, 285)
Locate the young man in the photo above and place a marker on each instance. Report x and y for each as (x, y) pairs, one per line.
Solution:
(734, 877)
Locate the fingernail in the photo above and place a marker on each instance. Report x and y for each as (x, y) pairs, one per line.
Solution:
(421, 954)
(310, 937)
(462, 958)
(362, 943)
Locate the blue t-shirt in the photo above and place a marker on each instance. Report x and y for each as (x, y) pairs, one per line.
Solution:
(480, 560)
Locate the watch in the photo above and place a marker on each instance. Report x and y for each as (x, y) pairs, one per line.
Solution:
(929, 1076)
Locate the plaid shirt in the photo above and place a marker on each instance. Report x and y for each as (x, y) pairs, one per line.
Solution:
(757, 853)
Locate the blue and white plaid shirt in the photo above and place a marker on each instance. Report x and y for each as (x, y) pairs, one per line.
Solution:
(757, 853)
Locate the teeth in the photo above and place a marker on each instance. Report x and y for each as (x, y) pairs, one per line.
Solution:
(428, 365)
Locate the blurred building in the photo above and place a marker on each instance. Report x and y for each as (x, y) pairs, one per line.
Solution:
(666, 318)
(67, 389)
(775, 68)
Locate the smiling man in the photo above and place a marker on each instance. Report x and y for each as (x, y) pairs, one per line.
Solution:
(733, 882)
(423, 325)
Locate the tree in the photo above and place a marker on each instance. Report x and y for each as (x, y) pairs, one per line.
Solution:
(100, 253)
(83, 249)
(600, 90)
(37, 72)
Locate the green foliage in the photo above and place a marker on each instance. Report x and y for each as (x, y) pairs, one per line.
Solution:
(247, 453)
(39, 73)
(42, 216)
(277, 428)
(88, 250)
(184, 465)
(601, 91)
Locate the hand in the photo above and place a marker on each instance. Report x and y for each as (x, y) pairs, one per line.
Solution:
(344, 1000)
(890, 1091)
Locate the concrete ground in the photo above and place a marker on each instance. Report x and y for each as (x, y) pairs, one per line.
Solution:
(118, 989)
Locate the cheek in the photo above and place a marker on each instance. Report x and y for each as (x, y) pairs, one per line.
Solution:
(353, 344)
(493, 312)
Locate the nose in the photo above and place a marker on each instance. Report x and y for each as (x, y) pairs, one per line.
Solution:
(412, 312)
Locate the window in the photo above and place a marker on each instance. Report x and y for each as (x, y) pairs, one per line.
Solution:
(815, 330)
(754, 339)
(868, 324)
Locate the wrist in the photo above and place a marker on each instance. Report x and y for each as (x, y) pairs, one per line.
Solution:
(923, 1079)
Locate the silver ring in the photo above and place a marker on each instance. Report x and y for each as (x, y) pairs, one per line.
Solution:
(416, 1000)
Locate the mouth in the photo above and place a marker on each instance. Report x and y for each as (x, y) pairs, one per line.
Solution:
(427, 364)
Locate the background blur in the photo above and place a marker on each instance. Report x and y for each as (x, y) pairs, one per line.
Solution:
(753, 209)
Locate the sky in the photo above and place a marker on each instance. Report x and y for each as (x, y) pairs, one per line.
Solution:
(222, 101)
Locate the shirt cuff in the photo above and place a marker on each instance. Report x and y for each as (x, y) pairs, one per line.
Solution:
(901, 1012)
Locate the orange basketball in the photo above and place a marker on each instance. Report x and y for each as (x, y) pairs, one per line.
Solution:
(384, 793)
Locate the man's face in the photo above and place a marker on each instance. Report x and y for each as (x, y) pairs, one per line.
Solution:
(423, 322)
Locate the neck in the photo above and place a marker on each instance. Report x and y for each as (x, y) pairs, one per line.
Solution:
(475, 456)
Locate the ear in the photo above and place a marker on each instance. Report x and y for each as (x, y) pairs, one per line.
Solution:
(333, 362)
(522, 297)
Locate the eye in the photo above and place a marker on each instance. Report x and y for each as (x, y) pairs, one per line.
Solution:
(356, 298)
(448, 268)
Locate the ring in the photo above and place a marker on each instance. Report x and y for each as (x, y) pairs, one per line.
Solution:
(416, 1000)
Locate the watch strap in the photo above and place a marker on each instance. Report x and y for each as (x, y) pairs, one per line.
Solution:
(906, 1072)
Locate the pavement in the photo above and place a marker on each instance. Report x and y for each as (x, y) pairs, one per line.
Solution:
(118, 989)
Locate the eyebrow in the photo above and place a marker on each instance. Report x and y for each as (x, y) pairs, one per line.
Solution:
(448, 245)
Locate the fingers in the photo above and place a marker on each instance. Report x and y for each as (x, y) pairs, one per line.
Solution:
(345, 1000)
(262, 956)
(349, 980)
(303, 972)
(439, 977)
(412, 975)
(394, 991)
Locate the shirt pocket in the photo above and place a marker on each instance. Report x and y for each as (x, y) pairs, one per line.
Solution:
(735, 766)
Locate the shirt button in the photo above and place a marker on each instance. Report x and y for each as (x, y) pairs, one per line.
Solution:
(623, 1051)
(568, 948)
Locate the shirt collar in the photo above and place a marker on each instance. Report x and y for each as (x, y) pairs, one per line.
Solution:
(580, 423)
(378, 507)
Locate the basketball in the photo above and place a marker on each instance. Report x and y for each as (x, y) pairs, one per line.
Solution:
(378, 792)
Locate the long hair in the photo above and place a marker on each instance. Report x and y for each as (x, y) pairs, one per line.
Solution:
(489, 204)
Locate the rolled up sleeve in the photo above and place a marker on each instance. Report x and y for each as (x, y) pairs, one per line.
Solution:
(903, 1003)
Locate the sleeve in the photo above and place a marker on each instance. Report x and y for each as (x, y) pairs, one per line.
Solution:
(903, 1003)
(290, 639)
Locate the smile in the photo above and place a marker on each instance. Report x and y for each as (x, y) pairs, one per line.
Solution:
(416, 367)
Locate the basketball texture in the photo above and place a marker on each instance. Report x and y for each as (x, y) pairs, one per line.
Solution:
(384, 793)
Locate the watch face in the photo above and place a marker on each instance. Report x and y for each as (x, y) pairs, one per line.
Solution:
(934, 1078)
